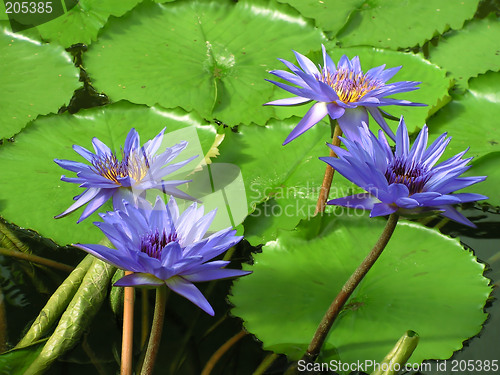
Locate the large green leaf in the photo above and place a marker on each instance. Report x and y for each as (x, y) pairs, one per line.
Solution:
(32, 193)
(16, 361)
(211, 57)
(423, 281)
(395, 24)
(282, 182)
(82, 23)
(477, 46)
(472, 119)
(330, 15)
(36, 79)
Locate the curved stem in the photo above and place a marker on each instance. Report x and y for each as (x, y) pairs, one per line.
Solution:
(327, 180)
(156, 330)
(36, 259)
(346, 291)
(144, 317)
(128, 330)
(265, 364)
(220, 352)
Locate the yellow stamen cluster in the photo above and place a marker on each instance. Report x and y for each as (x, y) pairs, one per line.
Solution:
(350, 87)
(133, 165)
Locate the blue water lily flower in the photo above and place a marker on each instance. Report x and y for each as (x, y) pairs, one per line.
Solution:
(407, 180)
(344, 92)
(162, 247)
(138, 170)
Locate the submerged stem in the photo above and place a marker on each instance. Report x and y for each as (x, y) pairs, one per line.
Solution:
(156, 330)
(219, 352)
(346, 291)
(36, 259)
(327, 180)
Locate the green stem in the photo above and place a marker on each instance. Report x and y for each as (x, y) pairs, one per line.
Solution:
(346, 291)
(264, 365)
(399, 355)
(181, 348)
(36, 259)
(327, 180)
(156, 330)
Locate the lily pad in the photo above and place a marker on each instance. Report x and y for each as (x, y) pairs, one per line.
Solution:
(479, 38)
(330, 15)
(282, 182)
(82, 23)
(296, 278)
(31, 70)
(396, 24)
(472, 119)
(211, 57)
(32, 193)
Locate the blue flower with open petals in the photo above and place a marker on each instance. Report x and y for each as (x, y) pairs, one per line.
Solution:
(407, 180)
(344, 92)
(108, 177)
(162, 247)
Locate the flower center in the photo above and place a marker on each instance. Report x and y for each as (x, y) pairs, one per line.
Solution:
(133, 165)
(414, 176)
(350, 87)
(153, 243)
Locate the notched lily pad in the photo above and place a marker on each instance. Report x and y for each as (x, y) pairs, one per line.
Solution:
(297, 276)
(211, 57)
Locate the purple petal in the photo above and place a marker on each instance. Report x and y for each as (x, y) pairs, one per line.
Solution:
(451, 213)
(292, 89)
(306, 64)
(290, 77)
(84, 198)
(209, 275)
(335, 111)
(191, 292)
(312, 117)
(377, 116)
(327, 61)
(140, 279)
(100, 148)
(153, 145)
(364, 201)
(402, 140)
(89, 156)
(72, 166)
(296, 100)
(388, 74)
(418, 148)
(351, 121)
(111, 256)
(131, 142)
(382, 209)
(98, 201)
(469, 197)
